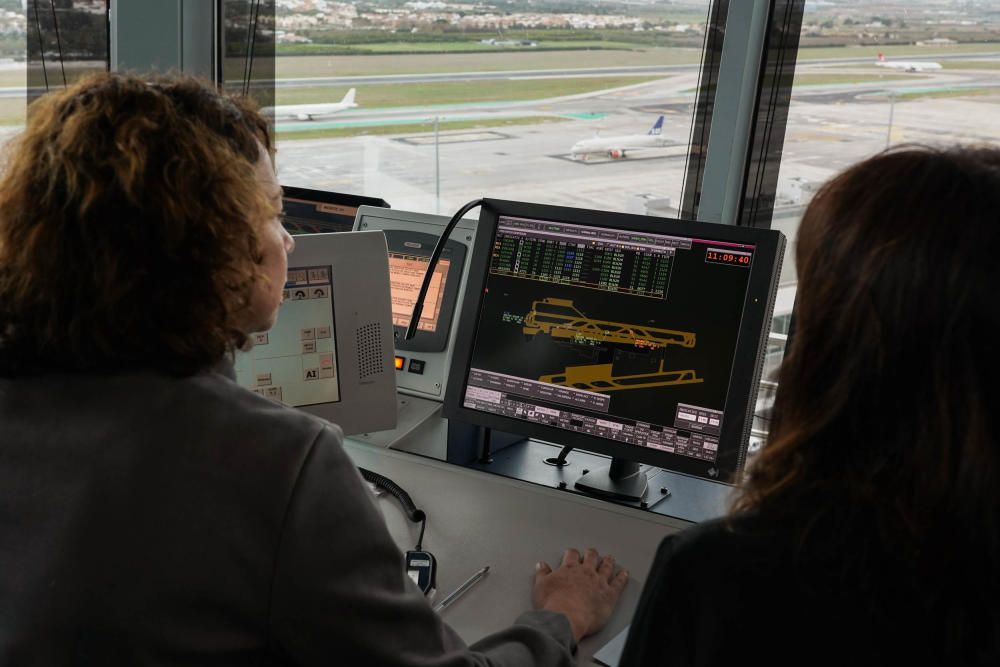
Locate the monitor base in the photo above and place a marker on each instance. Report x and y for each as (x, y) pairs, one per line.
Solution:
(622, 480)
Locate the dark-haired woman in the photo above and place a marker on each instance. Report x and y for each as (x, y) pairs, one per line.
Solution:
(152, 511)
(867, 531)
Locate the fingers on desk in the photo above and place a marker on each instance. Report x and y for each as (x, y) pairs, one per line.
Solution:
(619, 580)
(571, 558)
(542, 568)
(607, 567)
(591, 558)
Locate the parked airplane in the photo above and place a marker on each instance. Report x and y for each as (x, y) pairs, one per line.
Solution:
(616, 147)
(312, 111)
(907, 66)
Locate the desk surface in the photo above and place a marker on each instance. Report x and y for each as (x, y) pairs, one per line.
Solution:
(476, 519)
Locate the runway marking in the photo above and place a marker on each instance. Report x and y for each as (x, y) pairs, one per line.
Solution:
(454, 138)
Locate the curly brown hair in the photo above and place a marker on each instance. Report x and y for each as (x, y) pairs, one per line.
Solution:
(129, 212)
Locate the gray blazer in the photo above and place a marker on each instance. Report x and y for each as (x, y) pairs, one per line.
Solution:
(149, 520)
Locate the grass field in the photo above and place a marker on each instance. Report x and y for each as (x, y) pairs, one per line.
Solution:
(822, 78)
(821, 53)
(972, 64)
(288, 67)
(415, 128)
(363, 65)
(947, 94)
(420, 48)
(457, 92)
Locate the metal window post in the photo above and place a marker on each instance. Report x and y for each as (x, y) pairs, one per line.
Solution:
(164, 36)
(734, 111)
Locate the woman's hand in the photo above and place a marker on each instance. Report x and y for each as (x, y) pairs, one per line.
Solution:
(585, 589)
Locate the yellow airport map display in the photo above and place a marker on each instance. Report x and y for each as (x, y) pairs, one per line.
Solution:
(560, 319)
(600, 377)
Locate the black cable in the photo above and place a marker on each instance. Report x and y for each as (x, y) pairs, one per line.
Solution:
(41, 46)
(55, 24)
(418, 306)
(250, 50)
(560, 461)
(413, 514)
(246, 58)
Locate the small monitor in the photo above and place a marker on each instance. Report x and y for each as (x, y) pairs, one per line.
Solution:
(632, 336)
(409, 257)
(425, 359)
(309, 211)
(330, 352)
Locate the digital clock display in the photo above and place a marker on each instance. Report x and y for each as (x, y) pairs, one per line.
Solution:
(728, 257)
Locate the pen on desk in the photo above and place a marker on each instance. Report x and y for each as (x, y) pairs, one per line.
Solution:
(460, 591)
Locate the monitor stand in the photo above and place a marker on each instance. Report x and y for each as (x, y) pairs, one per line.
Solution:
(622, 480)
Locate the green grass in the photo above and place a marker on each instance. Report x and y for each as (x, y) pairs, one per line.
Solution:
(946, 94)
(820, 53)
(421, 48)
(288, 67)
(457, 92)
(971, 64)
(530, 59)
(819, 79)
(414, 128)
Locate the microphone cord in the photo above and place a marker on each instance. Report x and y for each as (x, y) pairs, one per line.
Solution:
(409, 507)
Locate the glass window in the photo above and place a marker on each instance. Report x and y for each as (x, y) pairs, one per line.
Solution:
(875, 74)
(64, 40)
(13, 47)
(868, 76)
(431, 103)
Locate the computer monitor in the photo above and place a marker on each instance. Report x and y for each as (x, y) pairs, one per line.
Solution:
(422, 362)
(636, 337)
(330, 351)
(310, 211)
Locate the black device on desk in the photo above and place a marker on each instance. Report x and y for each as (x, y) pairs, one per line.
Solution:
(310, 211)
(636, 337)
(420, 565)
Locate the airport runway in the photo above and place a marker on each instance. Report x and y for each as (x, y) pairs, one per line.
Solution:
(830, 126)
(637, 70)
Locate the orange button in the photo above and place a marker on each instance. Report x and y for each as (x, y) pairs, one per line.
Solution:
(400, 363)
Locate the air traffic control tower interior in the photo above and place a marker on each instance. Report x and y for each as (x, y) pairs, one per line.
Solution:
(542, 290)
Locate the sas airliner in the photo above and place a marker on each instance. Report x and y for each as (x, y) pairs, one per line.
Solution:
(618, 147)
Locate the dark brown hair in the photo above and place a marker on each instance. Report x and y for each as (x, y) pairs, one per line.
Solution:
(885, 437)
(129, 212)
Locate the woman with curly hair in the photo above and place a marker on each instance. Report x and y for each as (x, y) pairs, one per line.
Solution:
(152, 511)
(867, 530)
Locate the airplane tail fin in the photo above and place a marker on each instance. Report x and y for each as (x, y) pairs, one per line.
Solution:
(349, 98)
(657, 127)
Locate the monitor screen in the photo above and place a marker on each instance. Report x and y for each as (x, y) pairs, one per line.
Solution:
(296, 361)
(406, 274)
(309, 211)
(628, 336)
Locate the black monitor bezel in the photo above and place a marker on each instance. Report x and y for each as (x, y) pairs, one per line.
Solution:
(750, 346)
(330, 197)
(454, 252)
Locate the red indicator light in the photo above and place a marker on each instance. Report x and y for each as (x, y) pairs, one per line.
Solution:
(400, 363)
